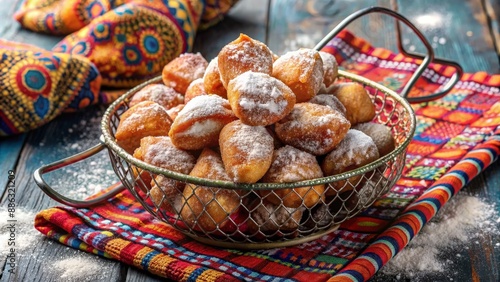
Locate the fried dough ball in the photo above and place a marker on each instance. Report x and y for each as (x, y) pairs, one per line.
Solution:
(267, 218)
(259, 99)
(211, 79)
(313, 128)
(183, 70)
(247, 151)
(302, 71)
(355, 98)
(165, 96)
(330, 68)
(194, 89)
(166, 194)
(199, 123)
(330, 101)
(159, 151)
(381, 135)
(242, 55)
(291, 165)
(173, 112)
(208, 208)
(355, 150)
(147, 118)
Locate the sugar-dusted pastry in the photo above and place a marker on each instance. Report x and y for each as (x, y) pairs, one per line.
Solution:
(183, 70)
(147, 118)
(267, 218)
(199, 123)
(313, 128)
(209, 208)
(159, 93)
(259, 99)
(173, 112)
(291, 165)
(355, 150)
(330, 101)
(194, 89)
(302, 71)
(330, 68)
(247, 151)
(381, 135)
(166, 195)
(242, 55)
(159, 151)
(357, 102)
(211, 79)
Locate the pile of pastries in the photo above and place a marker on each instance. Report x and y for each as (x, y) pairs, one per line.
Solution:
(250, 116)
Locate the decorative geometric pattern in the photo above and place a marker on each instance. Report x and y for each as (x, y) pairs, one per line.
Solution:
(40, 85)
(62, 17)
(444, 156)
(133, 42)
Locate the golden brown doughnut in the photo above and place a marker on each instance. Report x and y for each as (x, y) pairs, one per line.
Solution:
(211, 79)
(146, 118)
(313, 128)
(159, 151)
(330, 101)
(291, 165)
(194, 89)
(199, 123)
(357, 102)
(183, 70)
(247, 151)
(302, 71)
(330, 68)
(209, 208)
(355, 150)
(259, 99)
(159, 93)
(242, 55)
(381, 135)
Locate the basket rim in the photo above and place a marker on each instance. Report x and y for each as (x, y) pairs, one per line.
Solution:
(113, 146)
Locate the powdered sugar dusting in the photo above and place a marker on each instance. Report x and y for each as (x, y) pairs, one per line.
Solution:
(462, 219)
(141, 112)
(250, 54)
(158, 93)
(202, 128)
(355, 148)
(162, 153)
(26, 235)
(291, 164)
(259, 92)
(203, 106)
(329, 101)
(254, 141)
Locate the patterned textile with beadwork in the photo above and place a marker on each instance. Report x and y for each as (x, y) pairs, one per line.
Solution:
(458, 136)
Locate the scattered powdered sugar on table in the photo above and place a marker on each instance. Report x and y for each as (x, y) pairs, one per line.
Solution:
(83, 267)
(463, 218)
(25, 233)
(85, 178)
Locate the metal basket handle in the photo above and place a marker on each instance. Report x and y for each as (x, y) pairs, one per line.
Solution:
(47, 189)
(426, 59)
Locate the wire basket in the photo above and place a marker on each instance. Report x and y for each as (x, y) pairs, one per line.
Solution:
(251, 221)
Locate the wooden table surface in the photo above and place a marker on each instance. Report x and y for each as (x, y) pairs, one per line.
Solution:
(462, 30)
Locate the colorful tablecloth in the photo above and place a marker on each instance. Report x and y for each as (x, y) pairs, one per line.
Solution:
(457, 137)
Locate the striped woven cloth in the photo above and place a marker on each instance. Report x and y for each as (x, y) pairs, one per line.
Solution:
(457, 137)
